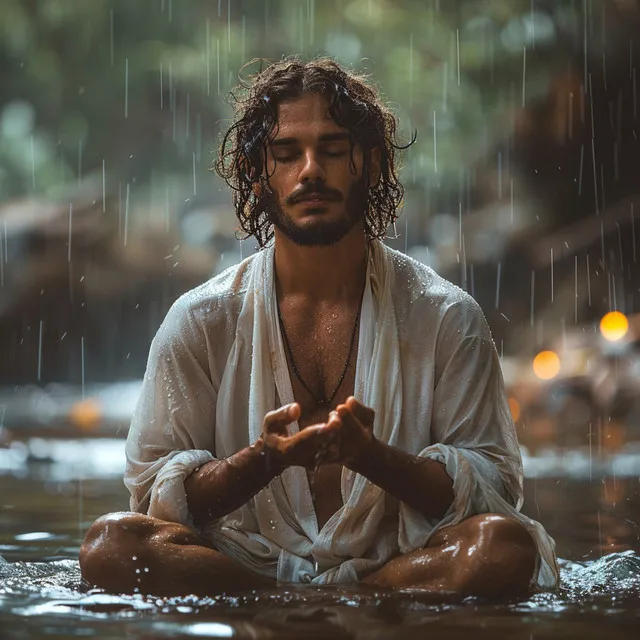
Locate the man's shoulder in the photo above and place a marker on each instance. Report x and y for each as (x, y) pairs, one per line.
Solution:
(418, 281)
(220, 291)
(428, 301)
(217, 299)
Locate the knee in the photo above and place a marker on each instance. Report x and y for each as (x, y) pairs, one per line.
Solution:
(502, 556)
(113, 531)
(497, 531)
(113, 545)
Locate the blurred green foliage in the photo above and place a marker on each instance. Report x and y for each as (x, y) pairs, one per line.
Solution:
(139, 88)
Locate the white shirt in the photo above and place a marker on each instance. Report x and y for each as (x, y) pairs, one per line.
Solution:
(427, 365)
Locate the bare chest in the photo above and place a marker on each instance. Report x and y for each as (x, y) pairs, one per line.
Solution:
(322, 358)
(321, 350)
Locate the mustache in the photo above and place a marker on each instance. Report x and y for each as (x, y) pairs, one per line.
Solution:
(312, 189)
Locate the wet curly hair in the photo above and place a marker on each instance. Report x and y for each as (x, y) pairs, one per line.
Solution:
(353, 104)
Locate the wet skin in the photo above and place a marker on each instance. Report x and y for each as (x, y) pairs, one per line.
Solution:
(320, 264)
(486, 555)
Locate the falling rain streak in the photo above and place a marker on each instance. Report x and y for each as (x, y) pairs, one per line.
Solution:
(207, 55)
(524, 76)
(218, 64)
(533, 291)
(588, 281)
(40, 351)
(111, 37)
(551, 274)
(458, 53)
(1, 260)
(633, 233)
(595, 176)
(33, 165)
(229, 26)
(411, 72)
(166, 208)
(526, 101)
(575, 297)
(79, 163)
(126, 87)
(435, 144)
(70, 231)
(194, 174)
(126, 217)
(445, 84)
(82, 365)
(511, 198)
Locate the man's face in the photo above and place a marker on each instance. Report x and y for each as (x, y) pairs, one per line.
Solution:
(317, 198)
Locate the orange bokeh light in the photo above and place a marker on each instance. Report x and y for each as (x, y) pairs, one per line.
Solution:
(546, 365)
(86, 415)
(614, 326)
(514, 406)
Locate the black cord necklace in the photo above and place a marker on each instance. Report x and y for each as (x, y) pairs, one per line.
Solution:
(324, 401)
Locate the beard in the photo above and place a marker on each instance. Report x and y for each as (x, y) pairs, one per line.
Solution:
(321, 232)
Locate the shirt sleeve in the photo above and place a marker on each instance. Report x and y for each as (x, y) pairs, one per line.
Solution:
(172, 431)
(474, 437)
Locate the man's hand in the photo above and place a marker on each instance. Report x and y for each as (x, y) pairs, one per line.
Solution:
(310, 447)
(354, 431)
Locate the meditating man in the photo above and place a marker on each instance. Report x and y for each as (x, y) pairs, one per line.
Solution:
(328, 410)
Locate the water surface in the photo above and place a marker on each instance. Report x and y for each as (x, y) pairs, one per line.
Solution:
(50, 492)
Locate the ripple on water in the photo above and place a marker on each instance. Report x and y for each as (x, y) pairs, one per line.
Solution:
(617, 574)
(54, 591)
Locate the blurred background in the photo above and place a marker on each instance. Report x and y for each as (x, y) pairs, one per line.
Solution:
(523, 188)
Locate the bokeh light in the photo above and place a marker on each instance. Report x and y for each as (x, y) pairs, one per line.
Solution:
(546, 365)
(86, 414)
(614, 326)
(514, 406)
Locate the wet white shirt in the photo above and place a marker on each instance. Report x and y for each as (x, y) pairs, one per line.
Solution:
(426, 364)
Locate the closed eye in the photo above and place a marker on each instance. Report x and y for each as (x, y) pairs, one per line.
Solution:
(290, 157)
(294, 155)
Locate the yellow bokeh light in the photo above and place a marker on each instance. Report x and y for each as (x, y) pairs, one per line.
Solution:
(546, 365)
(614, 326)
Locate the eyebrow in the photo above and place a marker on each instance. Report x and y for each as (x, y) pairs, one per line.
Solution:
(326, 137)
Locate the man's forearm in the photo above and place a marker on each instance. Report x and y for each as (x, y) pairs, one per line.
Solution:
(222, 486)
(421, 483)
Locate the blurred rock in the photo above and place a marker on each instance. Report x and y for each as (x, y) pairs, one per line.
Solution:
(83, 290)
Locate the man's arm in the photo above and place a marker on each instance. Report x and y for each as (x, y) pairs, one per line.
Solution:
(222, 486)
(473, 423)
(422, 483)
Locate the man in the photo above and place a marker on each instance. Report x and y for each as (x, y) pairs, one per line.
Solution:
(328, 410)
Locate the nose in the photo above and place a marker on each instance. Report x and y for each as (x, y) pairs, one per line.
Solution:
(312, 168)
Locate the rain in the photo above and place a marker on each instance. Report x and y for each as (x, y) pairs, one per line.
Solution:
(520, 189)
